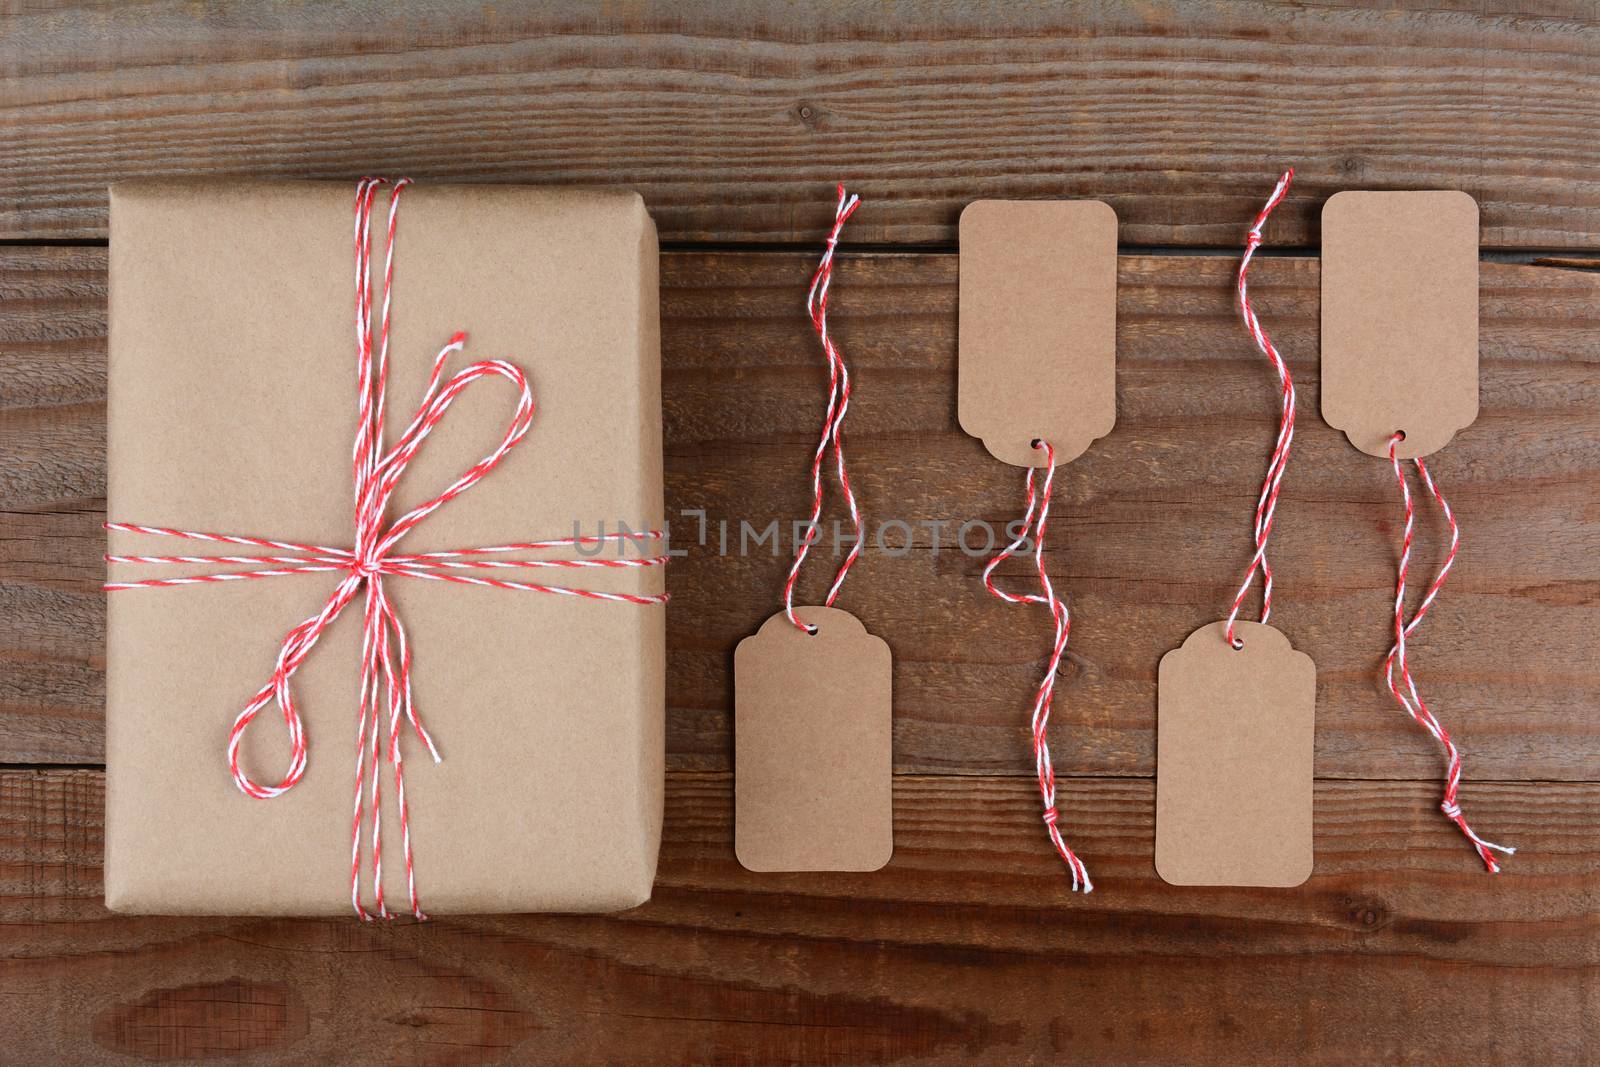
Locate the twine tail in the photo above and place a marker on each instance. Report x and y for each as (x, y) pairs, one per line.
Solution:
(832, 421)
(1267, 502)
(1033, 524)
(1404, 686)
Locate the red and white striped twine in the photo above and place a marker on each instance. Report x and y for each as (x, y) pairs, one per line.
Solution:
(1033, 526)
(832, 422)
(1408, 696)
(1267, 504)
(385, 652)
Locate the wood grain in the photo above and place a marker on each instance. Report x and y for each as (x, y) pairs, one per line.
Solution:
(967, 948)
(735, 119)
(1152, 521)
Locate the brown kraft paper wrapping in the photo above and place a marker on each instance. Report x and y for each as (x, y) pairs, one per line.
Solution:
(232, 408)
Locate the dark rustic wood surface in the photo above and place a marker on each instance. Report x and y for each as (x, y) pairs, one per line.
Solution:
(969, 945)
(967, 948)
(734, 119)
(1152, 524)
(729, 116)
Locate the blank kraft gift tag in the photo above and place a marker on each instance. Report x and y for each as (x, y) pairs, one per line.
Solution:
(1400, 318)
(813, 759)
(1234, 759)
(1038, 329)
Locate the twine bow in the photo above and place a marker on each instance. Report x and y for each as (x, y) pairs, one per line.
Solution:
(385, 653)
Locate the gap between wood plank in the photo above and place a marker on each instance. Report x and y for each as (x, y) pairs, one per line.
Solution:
(1559, 258)
(920, 776)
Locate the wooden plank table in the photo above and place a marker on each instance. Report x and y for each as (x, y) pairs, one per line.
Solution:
(734, 119)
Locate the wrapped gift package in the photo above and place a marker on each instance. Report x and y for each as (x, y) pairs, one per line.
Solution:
(233, 405)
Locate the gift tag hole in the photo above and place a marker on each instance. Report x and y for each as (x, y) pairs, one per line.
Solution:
(812, 631)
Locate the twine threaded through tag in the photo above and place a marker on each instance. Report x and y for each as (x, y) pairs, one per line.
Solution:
(832, 422)
(1409, 698)
(1237, 703)
(1033, 526)
(1267, 503)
